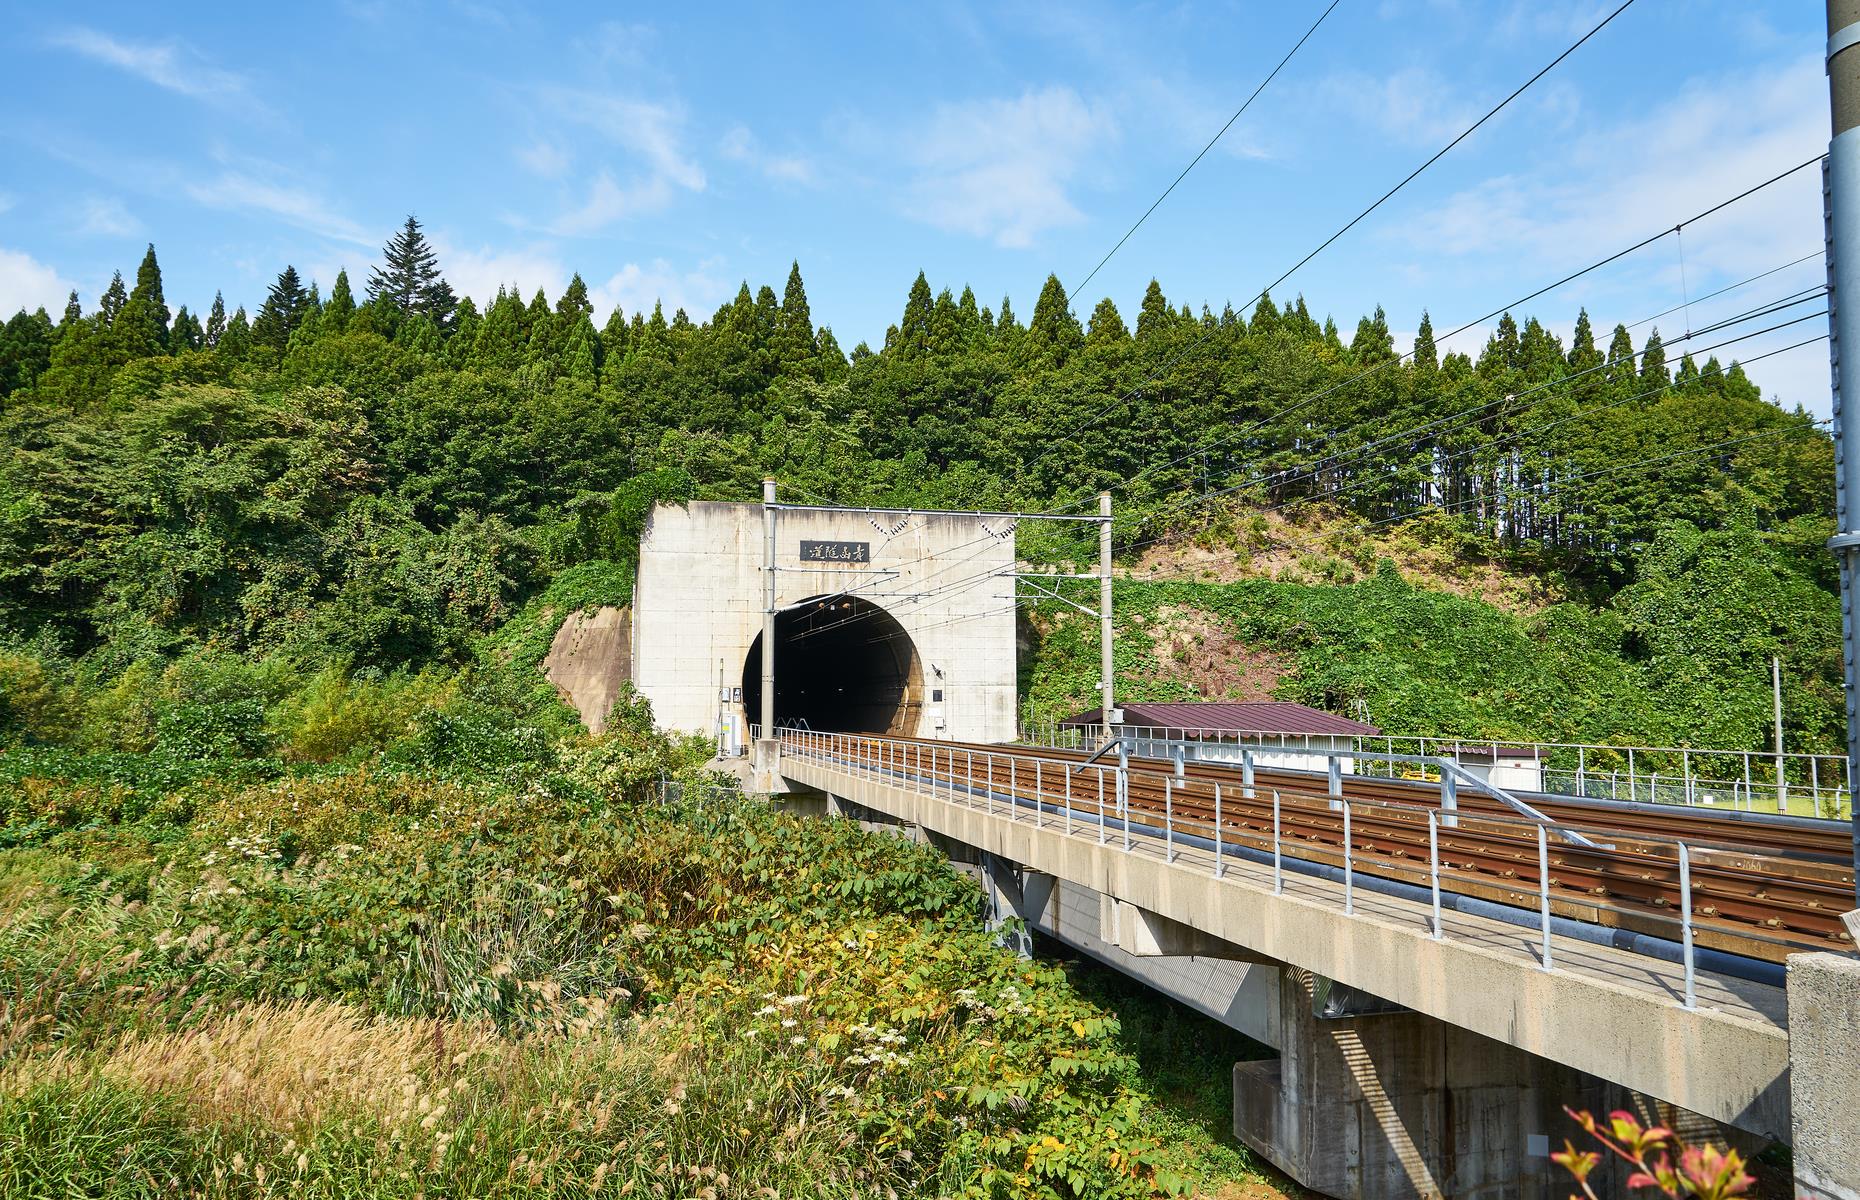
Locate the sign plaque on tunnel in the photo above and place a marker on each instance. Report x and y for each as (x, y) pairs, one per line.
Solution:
(836, 552)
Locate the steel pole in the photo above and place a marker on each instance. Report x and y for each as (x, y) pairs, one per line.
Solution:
(1106, 693)
(1782, 775)
(768, 608)
(1841, 184)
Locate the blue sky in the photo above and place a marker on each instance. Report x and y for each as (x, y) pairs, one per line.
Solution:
(666, 152)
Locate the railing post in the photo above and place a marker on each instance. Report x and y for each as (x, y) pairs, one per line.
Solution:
(1102, 830)
(1631, 792)
(1013, 787)
(1217, 831)
(968, 800)
(1582, 772)
(1246, 773)
(1168, 819)
(1278, 870)
(1685, 922)
(1039, 810)
(1349, 866)
(1123, 789)
(1433, 870)
(1335, 767)
(1543, 888)
(1068, 803)
(1449, 799)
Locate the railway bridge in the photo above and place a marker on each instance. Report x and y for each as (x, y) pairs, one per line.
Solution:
(1437, 983)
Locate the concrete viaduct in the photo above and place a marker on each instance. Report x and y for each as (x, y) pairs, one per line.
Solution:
(1417, 1055)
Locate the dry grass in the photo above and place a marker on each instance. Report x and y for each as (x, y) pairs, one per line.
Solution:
(289, 1066)
(1315, 545)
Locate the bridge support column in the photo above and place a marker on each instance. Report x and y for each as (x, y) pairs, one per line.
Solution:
(1824, 1084)
(1016, 899)
(1381, 1103)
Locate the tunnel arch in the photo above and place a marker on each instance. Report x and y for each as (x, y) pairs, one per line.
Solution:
(842, 663)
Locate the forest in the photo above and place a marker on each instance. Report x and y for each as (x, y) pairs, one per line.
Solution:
(371, 479)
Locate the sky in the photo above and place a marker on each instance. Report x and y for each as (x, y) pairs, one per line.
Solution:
(672, 154)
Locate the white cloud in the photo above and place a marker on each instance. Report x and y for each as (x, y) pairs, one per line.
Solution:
(106, 217)
(1414, 105)
(635, 288)
(544, 158)
(999, 169)
(609, 201)
(170, 65)
(740, 145)
(652, 133)
(479, 271)
(234, 189)
(27, 283)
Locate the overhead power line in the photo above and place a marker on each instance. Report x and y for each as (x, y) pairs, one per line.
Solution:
(1564, 381)
(1378, 203)
(1080, 286)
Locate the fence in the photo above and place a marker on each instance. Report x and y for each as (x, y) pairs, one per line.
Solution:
(1807, 784)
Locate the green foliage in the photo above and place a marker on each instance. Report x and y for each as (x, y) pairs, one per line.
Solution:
(697, 987)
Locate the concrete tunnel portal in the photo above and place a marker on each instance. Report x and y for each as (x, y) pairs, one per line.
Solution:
(842, 663)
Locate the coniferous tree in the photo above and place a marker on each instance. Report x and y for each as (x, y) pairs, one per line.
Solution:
(341, 307)
(1107, 325)
(236, 342)
(1154, 317)
(1426, 357)
(114, 297)
(913, 330)
(1265, 319)
(73, 314)
(574, 303)
(1653, 373)
(283, 311)
(578, 358)
(1054, 331)
(465, 326)
(25, 350)
(408, 279)
(216, 321)
(614, 337)
(185, 333)
(796, 351)
(1622, 374)
(141, 328)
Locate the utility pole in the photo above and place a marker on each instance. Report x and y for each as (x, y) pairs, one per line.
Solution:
(1782, 777)
(1107, 698)
(1841, 187)
(768, 612)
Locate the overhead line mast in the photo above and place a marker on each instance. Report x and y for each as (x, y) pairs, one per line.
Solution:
(1841, 183)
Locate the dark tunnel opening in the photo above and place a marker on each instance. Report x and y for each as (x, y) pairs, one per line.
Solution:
(842, 663)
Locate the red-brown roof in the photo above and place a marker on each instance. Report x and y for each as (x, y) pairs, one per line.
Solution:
(1246, 716)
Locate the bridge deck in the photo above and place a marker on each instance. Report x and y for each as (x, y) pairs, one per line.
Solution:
(1611, 1012)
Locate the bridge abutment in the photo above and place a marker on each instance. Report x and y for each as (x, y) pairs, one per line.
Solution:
(1394, 1104)
(1824, 1075)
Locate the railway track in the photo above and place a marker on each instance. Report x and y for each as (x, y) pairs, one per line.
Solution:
(1758, 889)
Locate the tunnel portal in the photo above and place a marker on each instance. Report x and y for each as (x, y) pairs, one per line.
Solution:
(842, 663)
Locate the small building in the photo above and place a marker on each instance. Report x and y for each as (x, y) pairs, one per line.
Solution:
(1278, 732)
(1510, 768)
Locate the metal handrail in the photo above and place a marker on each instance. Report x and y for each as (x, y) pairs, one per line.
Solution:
(894, 759)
